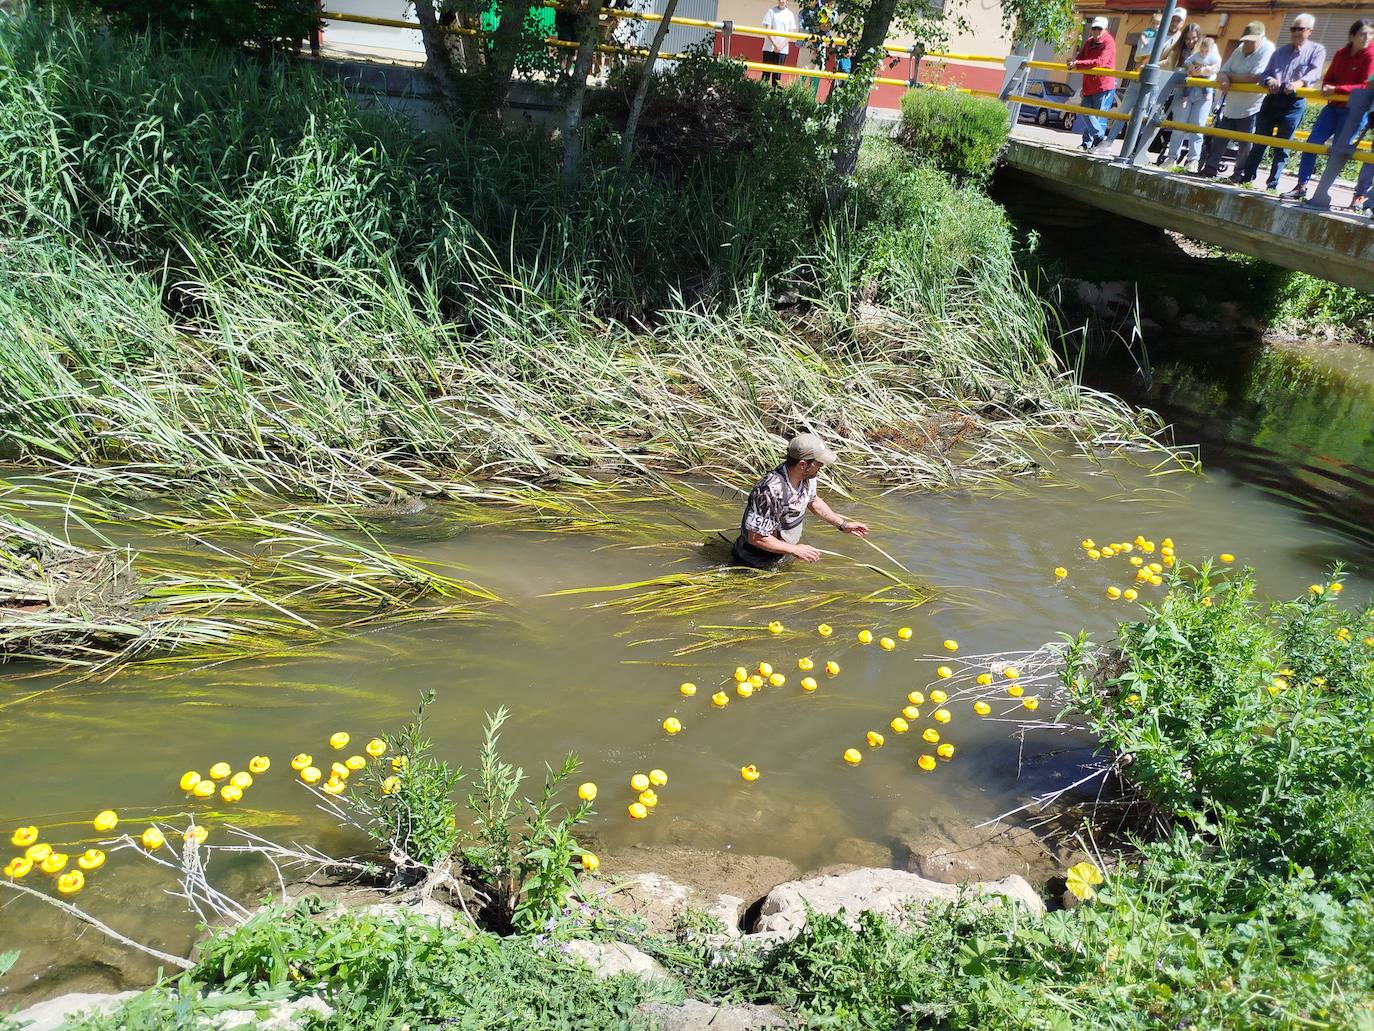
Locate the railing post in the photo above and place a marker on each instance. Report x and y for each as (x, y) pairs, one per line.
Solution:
(1012, 69)
(1175, 85)
(727, 30)
(1149, 80)
(916, 52)
(1342, 146)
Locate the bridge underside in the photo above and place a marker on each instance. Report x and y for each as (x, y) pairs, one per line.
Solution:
(1331, 245)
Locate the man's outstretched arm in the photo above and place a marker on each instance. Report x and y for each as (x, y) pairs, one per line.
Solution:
(827, 513)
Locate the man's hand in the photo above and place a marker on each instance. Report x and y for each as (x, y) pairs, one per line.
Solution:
(806, 553)
(1224, 81)
(1328, 89)
(857, 529)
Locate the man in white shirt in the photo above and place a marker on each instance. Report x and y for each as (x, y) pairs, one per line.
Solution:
(781, 18)
(1245, 64)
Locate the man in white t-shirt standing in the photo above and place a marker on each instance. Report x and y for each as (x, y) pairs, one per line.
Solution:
(1239, 112)
(781, 18)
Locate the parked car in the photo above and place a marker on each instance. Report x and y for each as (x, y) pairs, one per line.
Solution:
(1059, 93)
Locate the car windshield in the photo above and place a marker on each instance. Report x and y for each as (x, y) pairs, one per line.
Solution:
(1058, 89)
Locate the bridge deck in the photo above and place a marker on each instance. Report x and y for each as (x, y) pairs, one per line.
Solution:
(1334, 245)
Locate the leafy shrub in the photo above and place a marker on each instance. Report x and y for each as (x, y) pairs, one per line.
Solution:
(261, 24)
(960, 135)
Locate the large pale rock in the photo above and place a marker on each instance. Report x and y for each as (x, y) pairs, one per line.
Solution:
(52, 1014)
(606, 959)
(888, 892)
(431, 911)
(286, 1015)
(693, 1015)
(951, 851)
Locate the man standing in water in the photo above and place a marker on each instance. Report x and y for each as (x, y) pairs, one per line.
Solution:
(772, 523)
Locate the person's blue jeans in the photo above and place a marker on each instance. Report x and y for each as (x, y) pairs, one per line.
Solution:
(1128, 101)
(1093, 126)
(1328, 123)
(1279, 116)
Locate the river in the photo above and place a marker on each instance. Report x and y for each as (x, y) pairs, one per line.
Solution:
(1288, 486)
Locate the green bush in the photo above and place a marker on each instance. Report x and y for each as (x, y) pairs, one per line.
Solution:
(260, 24)
(959, 134)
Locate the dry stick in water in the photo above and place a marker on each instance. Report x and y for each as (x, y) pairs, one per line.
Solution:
(66, 907)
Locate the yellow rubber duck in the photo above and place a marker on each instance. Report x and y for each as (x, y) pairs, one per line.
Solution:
(899, 725)
(333, 786)
(1316, 590)
(944, 672)
(926, 762)
(195, 835)
(765, 669)
(984, 679)
(1011, 673)
(220, 770)
(1155, 581)
(1167, 542)
(1137, 561)
(904, 633)
(865, 636)
(231, 793)
(825, 630)
(982, 708)
(391, 785)
(18, 867)
(945, 751)
(1113, 592)
(875, 740)
(91, 859)
(910, 712)
(639, 782)
(805, 664)
(777, 679)
(931, 734)
(1094, 554)
(152, 839)
(311, 775)
(757, 682)
(832, 668)
(54, 862)
(775, 627)
(1015, 690)
(375, 748)
(1130, 594)
(1086, 543)
(260, 764)
(741, 674)
(38, 852)
(887, 644)
(940, 716)
(204, 789)
(189, 780)
(590, 864)
(339, 739)
(672, 725)
(1155, 567)
(23, 837)
(916, 698)
(658, 778)
(853, 756)
(938, 697)
(1108, 550)
(241, 780)
(1227, 557)
(1031, 702)
(71, 882)
(744, 690)
(301, 761)
(400, 762)
(720, 699)
(750, 773)
(638, 810)
(1060, 572)
(1168, 562)
(338, 771)
(951, 646)
(586, 791)
(355, 763)
(688, 689)
(1127, 547)
(809, 684)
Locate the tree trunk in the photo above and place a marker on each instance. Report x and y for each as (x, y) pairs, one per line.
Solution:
(438, 59)
(505, 43)
(642, 90)
(868, 55)
(572, 114)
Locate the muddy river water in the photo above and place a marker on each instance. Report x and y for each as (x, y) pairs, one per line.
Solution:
(1288, 486)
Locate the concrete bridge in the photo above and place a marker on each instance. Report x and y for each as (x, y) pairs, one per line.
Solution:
(1332, 245)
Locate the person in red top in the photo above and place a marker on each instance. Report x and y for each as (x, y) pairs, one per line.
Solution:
(1097, 51)
(1350, 68)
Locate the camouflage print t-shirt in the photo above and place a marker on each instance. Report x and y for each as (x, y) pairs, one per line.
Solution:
(774, 509)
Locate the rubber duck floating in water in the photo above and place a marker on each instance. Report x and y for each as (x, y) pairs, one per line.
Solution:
(809, 684)
(195, 835)
(749, 773)
(339, 739)
(220, 770)
(887, 644)
(672, 725)
(639, 782)
(71, 882)
(259, 764)
(775, 627)
(688, 689)
(658, 778)
(375, 748)
(18, 867)
(825, 630)
(904, 633)
(587, 791)
(152, 839)
(832, 668)
(982, 708)
(105, 820)
(945, 751)
(875, 740)
(926, 762)
(301, 761)
(951, 646)
(91, 859)
(204, 789)
(720, 699)
(638, 811)
(865, 637)
(853, 756)
(23, 837)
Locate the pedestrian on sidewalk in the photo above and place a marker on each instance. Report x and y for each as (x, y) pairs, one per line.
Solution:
(1132, 93)
(1350, 68)
(1202, 63)
(780, 18)
(1294, 66)
(1097, 51)
(1239, 109)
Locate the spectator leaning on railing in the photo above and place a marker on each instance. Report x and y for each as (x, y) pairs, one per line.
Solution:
(1202, 63)
(1295, 65)
(1142, 58)
(1350, 68)
(1097, 51)
(1239, 110)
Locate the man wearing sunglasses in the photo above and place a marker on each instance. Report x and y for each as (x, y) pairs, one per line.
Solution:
(772, 523)
(1293, 66)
